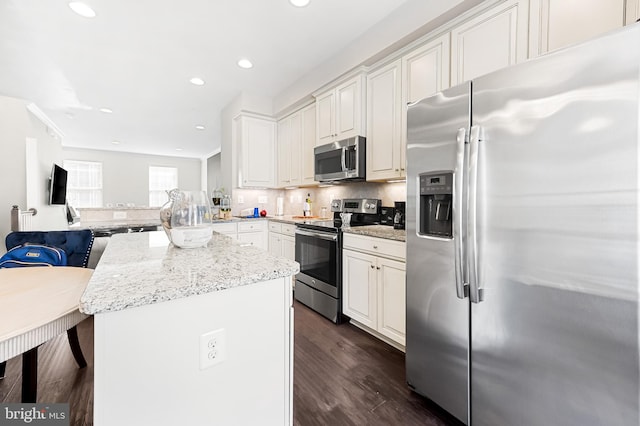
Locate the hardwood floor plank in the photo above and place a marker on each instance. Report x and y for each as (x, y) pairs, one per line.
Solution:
(342, 376)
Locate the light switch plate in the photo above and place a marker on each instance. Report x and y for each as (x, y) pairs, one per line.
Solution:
(262, 199)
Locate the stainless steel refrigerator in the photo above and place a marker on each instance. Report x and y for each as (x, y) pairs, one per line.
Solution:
(522, 241)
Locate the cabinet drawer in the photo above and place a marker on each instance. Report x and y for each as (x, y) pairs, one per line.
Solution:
(275, 227)
(288, 229)
(378, 246)
(225, 228)
(251, 226)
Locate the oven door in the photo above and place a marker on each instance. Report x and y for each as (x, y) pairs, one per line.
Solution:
(318, 254)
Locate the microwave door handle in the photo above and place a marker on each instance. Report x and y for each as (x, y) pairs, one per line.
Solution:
(343, 159)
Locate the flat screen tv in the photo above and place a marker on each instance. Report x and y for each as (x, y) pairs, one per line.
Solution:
(58, 189)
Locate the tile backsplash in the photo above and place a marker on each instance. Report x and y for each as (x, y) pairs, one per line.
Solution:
(320, 196)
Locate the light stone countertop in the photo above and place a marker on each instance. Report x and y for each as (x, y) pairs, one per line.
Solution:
(378, 231)
(296, 219)
(144, 268)
(113, 224)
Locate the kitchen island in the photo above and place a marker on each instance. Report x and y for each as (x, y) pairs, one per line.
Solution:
(191, 336)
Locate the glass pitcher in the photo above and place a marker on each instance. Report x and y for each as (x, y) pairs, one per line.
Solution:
(190, 219)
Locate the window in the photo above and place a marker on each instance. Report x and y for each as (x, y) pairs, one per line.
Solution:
(84, 183)
(161, 180)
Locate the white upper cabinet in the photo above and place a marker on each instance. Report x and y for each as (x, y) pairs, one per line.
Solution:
(384, 104)
(339, 111)
(289, 149)
(559, 23)
(296, 140)
(256, 138)
(420, 73)
(489, 41)
(425, 72)
(308, 135)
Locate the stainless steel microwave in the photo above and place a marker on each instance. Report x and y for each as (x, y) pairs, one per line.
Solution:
(341, 160)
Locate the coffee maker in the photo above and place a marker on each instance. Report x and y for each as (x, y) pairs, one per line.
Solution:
(398, 218)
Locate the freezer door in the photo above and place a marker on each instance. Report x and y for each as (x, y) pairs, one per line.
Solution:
(555, 340)
(437, 318)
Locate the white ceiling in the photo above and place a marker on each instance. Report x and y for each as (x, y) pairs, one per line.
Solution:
(136, 58)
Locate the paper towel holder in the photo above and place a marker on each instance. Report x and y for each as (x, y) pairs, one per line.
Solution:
(280, 206)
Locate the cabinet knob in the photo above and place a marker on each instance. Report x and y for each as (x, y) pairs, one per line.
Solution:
(378, 268)
(375, 247)
(372, 266)
(397, 170)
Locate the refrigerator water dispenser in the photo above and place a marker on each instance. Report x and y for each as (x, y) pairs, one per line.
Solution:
(435, 217)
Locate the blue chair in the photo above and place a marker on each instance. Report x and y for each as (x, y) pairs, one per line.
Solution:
(77, 246)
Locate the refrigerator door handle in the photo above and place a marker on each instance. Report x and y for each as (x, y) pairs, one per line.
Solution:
(476, 294)
(462, 290)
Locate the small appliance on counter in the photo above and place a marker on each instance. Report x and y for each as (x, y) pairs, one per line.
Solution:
(399, 215)
(387, 214)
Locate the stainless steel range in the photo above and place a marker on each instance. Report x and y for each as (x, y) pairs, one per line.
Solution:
(319, 253)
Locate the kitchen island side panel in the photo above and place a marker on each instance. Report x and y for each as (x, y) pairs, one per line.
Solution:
(147, 360)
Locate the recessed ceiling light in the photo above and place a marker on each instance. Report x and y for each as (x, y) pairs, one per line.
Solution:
(69, 115)
(82, 9)
(200, 127)
(245, 63)
(106, 110)
(178, 149)
(197, 81)
(115, 142)
(299, 3)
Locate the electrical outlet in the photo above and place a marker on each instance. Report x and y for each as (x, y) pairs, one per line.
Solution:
(212, 348)
(262, 199)
(119, 215)
(240, 199)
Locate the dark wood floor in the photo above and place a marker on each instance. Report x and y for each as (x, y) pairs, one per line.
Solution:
(342, 376)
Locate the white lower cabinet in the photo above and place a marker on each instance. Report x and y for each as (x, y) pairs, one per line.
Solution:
(252, 232)
(282, 240)
(374, 286)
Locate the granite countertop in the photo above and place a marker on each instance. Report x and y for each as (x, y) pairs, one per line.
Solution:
(296, 219)
(379, 231)
(112, 224)
(144, 268)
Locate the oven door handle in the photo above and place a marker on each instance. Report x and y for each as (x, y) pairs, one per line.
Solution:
(328, 237)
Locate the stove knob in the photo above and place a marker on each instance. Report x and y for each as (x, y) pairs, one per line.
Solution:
(367, 206)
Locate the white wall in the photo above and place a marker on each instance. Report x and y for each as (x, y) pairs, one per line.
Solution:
(13, 134)
(214, 173)
(17, 125)
(409, 22)
(125, 176)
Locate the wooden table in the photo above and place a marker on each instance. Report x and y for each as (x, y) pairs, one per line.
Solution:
(37, 304)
